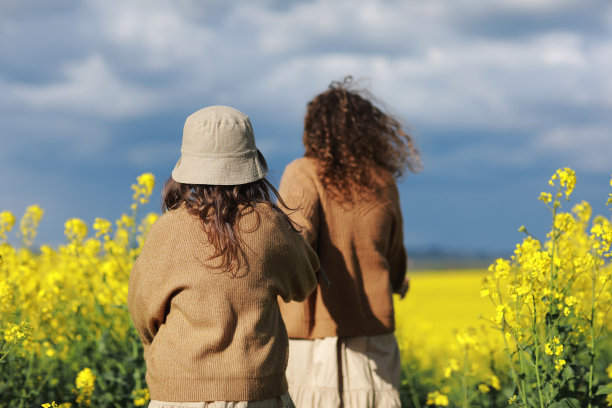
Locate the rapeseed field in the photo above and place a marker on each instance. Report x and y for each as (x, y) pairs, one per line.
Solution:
(530, 331)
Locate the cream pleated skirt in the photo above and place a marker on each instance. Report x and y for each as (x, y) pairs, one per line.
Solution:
(284, 401)
(345, 372)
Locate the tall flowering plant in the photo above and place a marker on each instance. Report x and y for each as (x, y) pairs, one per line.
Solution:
(552, 302)
(63, 318)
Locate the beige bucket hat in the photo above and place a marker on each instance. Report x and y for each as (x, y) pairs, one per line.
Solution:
(219, 149)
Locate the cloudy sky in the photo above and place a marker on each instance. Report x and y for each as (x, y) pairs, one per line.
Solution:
(498, 95)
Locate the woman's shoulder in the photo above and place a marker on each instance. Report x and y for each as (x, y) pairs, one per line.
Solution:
(269, 212)
(173, 221)
(264, 217)
(302, 165)
(301, 174)
(382, 177)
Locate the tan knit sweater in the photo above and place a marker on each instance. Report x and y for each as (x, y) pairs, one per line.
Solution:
(361, 249)
(208, 336)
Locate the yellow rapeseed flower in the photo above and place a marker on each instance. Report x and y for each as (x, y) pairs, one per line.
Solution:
(85, 386)
(29, 224)
(548, 349)
(437, 398)
(564, 222)
(453, 365)
(610, 199)
(545, 197)
(559, 364)
(484, 388)
(140, 396)
(500, 268)
(567, 180)
(125, 221)
(17, 333)
(495, 382)
(7, 221)
(583, 211)
(102, 227)
(6, 295)
(75, 230)
(143, 189)
(146, 181)
(467, 339)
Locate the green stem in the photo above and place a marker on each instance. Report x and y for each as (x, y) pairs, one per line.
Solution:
(536, 348)
(537, 372)
(522, 392)
(513, 370)
(27, 380)
(413, 396)
(592, 345)
(464, 380)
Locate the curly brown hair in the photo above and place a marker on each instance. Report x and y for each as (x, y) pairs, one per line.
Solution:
(220, 208)
(349, 135)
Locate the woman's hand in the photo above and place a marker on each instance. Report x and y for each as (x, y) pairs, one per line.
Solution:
(403, 289)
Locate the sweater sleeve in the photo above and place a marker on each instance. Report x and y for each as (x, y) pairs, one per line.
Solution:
(293, 261)
(298, 190)
(151, 287)
(299, 280)
(397, 253)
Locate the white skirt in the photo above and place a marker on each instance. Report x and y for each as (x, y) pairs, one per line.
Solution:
(345, 372)
(284, 401)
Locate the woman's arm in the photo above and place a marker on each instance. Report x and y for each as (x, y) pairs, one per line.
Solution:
(398, 260)
(297, 189)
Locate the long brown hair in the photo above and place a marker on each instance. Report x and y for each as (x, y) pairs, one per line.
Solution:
(349, 135)
(220, 208)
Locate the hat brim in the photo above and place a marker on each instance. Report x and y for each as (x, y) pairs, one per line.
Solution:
(220, 171)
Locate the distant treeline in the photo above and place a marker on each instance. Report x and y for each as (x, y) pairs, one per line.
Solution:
(437, 258)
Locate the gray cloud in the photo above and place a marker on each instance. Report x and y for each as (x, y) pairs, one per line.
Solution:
(503, 86)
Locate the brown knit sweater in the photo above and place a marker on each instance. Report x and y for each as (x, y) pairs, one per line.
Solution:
(361, 249)
(208, 336)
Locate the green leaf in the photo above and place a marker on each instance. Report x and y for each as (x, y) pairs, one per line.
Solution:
(604, 389)
(566, 403)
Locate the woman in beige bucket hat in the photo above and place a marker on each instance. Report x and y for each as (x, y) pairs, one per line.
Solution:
(342, 350)
(203, 292)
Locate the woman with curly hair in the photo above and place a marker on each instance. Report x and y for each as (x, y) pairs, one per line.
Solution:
(343, 352)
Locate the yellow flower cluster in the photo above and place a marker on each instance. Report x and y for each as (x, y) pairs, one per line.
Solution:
(553, 293)
(28, 226)
(437, 398)
(6, 298)
(551, 302)
(85, 386)
(140, 396)
(7, 221)
(102, 227)
(555, 349)
(17, 333)
(57, 300)
(567, 180)
(143, 189)
(75, 230)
